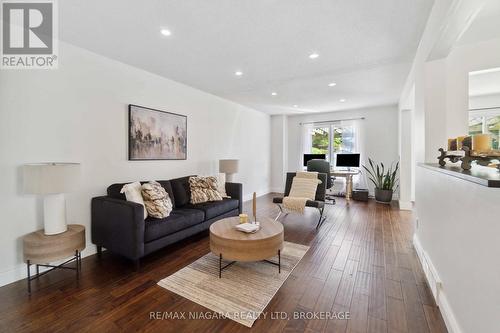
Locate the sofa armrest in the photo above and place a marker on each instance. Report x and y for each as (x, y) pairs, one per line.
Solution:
(118, 225)
(235, 191)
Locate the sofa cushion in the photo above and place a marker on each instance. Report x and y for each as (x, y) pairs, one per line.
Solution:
(178, 220)
(196, 214)
(181, 191)
(168, 187)
(156, 200)
(133, 193)
(215, 208)
(114, 190)
(203, 189)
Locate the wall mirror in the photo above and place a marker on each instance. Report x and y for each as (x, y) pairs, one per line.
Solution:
(484, 103)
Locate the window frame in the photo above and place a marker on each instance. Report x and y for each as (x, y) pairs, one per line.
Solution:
(331, 136)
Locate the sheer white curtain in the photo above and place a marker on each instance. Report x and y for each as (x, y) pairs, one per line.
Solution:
(306, 136)
(358, 146)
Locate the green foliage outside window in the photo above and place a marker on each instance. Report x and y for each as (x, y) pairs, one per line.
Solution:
(320, 141)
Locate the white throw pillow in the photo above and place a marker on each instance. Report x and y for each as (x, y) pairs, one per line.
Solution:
(133, 192)
(221, 185)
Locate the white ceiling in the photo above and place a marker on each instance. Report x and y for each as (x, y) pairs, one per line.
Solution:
(485, 26)
(365, 46)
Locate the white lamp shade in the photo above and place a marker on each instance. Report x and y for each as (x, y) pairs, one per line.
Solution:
(50, 178)
(228, 166)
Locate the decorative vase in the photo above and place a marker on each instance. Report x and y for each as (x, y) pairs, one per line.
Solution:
(383, 196)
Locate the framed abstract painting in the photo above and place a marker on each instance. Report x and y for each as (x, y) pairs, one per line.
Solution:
(156, 135)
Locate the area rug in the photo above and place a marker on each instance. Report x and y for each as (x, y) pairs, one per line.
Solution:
(245, 288)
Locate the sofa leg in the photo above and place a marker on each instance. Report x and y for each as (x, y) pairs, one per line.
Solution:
(99, 251)
(137, 265)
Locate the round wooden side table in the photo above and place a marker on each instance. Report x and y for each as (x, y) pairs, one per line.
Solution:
(40, 249)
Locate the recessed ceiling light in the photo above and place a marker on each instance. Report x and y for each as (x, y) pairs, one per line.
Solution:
(313, 55)
(332, 84)
(295, 106)
(165, 32)
(274, 93)
(342, 100)
(238, 73)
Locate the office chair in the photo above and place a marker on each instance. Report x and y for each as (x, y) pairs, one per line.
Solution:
(323, 166)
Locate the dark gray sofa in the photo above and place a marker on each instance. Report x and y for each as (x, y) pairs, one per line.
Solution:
(119, 226)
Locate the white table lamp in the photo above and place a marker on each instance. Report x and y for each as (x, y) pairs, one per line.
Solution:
(52, 180)
(229, 167)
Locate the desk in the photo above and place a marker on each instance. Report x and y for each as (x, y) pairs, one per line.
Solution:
(347, 174)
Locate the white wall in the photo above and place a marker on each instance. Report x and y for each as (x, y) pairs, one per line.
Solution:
(435, 92)
(447, 92)
(406, 153)
(458, 231)
(279, 151)
(456, 235)
(413, 93)
(381, 126)
(78, 113)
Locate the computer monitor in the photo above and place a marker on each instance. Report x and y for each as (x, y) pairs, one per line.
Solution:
(347, 160)
(308, 157)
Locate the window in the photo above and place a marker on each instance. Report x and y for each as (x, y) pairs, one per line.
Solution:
(486, 122)
(320, 141)
(332, 139)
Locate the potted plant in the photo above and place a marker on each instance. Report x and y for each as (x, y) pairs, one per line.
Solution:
(385, 181)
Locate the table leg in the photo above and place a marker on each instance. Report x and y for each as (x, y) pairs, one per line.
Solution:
(37, 270)
(77, 265)
(348, 185)
(29, 276)
(279, 261)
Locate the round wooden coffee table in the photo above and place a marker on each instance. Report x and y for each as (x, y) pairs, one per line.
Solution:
(233, 245)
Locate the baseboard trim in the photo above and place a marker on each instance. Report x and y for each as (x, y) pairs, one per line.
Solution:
(249, 196)
(436, 287)
(405, 205)
(19, 272)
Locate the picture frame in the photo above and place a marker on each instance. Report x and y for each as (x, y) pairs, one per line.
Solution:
(155, 134)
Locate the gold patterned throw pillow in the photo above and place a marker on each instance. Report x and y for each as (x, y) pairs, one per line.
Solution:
(203, 189)
(156, 200)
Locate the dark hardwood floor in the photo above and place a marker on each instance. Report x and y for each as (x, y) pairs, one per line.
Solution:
(361, 260)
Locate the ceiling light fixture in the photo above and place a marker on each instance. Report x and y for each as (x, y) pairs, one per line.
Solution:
(332, 84)
(295, 106)
(342, 100)
(313, 55)
(238, 73)
(165, 32)
(274, 93)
